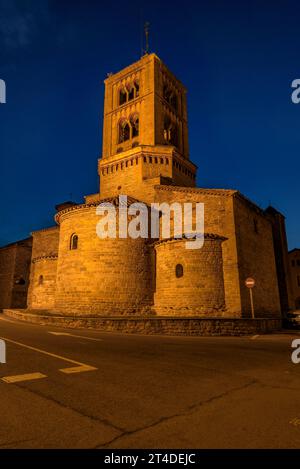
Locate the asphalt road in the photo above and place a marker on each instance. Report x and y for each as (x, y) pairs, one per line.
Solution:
(99, 390)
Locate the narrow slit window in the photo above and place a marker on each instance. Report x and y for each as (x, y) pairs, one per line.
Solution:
(179, 270)
(74, 242)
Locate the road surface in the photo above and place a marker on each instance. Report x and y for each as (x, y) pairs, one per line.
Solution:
(63, 388)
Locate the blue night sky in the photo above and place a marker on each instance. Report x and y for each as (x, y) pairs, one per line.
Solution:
(237, 59)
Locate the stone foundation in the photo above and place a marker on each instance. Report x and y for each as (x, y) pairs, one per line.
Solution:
(154, 324)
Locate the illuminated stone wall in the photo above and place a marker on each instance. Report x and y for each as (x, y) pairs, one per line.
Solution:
(41, 294)
(189, 281)
(103, 276)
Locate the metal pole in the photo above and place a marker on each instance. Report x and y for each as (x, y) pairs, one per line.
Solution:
(252, 305)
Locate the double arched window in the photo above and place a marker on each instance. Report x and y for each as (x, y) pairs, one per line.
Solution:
(128, 128)
(170, 96)
(74, 241)
(129, 92)
(134, 121)
(124, 131)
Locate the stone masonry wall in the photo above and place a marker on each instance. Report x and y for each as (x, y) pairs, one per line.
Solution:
(218, 219)
(200, 290)
(42, 284)
(21, 274)
(7, 267)
(155, 325)
(45, 242)
(294, 260)
(14, 274)
(103, 276)
(256, 259)
(132, 172)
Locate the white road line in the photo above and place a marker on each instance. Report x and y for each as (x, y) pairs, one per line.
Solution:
(20, 378)
(83, 366)
(78, 369)
(75, 335)
(254, 337)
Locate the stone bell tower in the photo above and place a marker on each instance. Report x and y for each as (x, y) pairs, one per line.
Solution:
(145, 133)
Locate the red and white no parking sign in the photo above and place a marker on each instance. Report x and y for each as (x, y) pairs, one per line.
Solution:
(250, 282)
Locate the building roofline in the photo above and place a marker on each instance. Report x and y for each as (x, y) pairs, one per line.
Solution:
(114, 200)
(51, 228)
(124, 71)
(293, 250)
(15, 243)
(214, 192)
(256, 207)
(197, 190)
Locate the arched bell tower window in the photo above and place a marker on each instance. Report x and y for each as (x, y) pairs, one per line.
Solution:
(137, 89)
(74, 241)
(170, 132)
(134, 126)
(174, 101)
(170, 96)
(41, 280)
(129, 92)
(124, 131)
(122, 96)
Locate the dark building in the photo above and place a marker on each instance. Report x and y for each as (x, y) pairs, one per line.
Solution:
(15, 259)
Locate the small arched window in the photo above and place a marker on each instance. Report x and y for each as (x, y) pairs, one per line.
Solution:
(41, 280)
(74, 242)
(20, 281)
(179, 270)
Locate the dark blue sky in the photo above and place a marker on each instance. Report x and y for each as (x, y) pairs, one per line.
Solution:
(237, 59)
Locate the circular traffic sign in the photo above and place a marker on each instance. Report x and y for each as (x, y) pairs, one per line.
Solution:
(250, 282)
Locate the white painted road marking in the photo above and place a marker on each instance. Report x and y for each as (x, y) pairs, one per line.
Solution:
(78, 369)
(82, 366)
(75, 335)
(254, 337)
(20, 378)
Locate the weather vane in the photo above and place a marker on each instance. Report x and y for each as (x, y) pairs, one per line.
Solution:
(146, 29)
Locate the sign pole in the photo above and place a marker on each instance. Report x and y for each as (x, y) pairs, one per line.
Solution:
(251, 301)
(250, 284)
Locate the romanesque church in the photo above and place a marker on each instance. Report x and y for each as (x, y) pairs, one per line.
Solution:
(68, 269)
